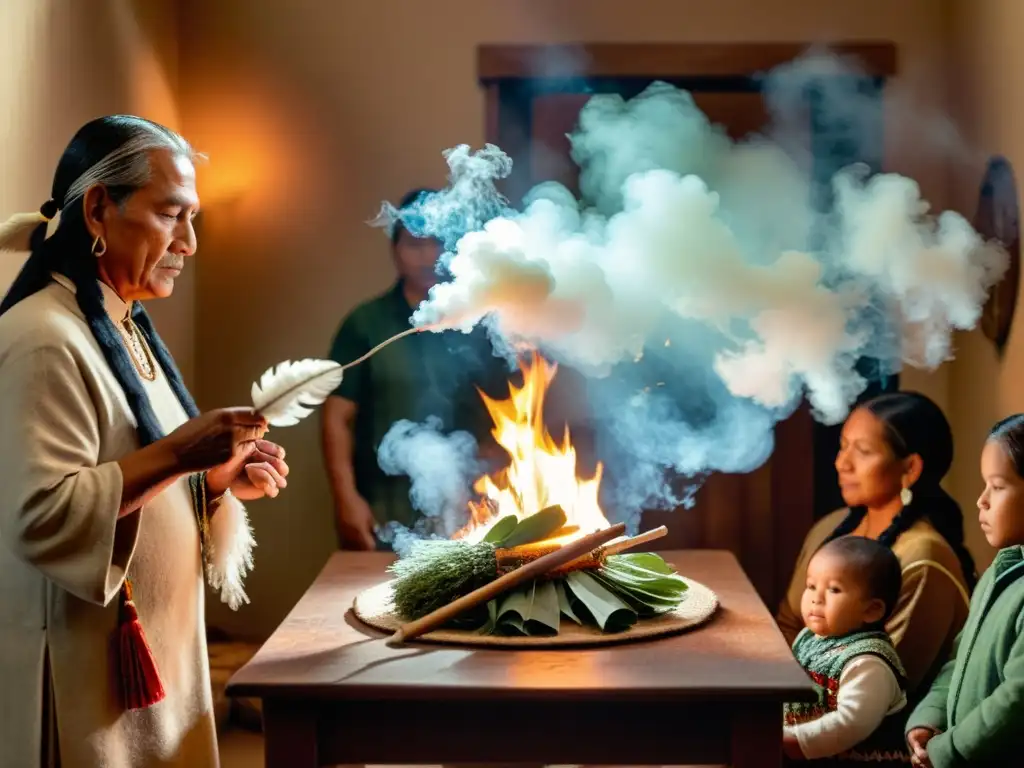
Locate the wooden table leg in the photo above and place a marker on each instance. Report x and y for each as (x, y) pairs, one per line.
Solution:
(757, 738)
(289, 731)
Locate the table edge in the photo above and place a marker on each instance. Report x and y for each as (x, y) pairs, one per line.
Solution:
(328, 691)
(396, 693)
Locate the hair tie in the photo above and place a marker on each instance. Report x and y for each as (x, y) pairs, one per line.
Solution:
(49, 209)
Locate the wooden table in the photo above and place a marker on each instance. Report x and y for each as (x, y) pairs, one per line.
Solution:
(333, 692)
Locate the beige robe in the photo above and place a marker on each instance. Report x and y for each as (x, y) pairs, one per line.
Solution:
(932, 605)
(64, 423)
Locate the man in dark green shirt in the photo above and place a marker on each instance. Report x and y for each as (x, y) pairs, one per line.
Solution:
(421, 376)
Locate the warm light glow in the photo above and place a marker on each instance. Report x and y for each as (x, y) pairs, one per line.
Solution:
(541, 472)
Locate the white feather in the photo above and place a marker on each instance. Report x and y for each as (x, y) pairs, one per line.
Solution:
(287, 392)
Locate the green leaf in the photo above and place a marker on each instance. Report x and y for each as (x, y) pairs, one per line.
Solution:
(647, 560)
(501, 529)
(563, 602)
(492, 618)
(536, 527)
(531, 610)
(656, 582)
(645, 606)
(608, 611)
(645, 582)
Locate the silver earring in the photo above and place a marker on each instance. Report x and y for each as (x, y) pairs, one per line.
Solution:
(906, 496)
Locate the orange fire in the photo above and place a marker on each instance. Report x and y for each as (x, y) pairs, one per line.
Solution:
(541, 473)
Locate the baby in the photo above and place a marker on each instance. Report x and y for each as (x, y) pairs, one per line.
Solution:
(852, 587)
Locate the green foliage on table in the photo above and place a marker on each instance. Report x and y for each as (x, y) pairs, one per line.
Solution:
(613, 597)
(438, 571)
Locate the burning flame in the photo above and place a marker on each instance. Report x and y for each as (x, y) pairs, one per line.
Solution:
(541, 473)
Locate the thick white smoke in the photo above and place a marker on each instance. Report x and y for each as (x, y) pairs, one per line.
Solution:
(708, 260)
(441, 468)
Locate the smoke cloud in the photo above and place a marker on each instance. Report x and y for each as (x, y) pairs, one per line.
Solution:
(700, 283)
(441, 468)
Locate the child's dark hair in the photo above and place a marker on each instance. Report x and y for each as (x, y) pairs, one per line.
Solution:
(876, 563)
(915, 424)
(409, 200)
(1010, 434)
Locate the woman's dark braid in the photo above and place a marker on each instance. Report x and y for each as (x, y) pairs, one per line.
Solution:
(913, 424)
(55, 256)
(848, 524)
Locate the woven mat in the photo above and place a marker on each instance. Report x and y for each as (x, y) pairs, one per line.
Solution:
(374, 607)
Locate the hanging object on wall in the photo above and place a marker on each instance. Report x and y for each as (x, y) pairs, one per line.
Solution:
(998, 218)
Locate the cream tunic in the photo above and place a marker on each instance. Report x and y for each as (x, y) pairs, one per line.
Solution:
(64, 423)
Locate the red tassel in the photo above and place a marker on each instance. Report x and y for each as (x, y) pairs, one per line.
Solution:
(140, 680)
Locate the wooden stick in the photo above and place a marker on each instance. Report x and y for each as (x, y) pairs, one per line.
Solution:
(615, 547)
(596, 558)
(538, 567)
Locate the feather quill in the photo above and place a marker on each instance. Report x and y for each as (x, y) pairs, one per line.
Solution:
(286, 393)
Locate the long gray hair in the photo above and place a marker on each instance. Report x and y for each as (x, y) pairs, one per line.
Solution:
(113, 151)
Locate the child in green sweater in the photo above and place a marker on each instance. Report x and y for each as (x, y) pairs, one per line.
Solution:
(974, 712)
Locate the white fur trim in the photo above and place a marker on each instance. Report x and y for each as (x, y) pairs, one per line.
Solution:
(229, 551)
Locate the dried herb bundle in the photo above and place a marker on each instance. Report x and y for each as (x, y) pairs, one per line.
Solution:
(611, 591)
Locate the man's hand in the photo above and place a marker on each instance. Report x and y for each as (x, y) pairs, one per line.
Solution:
(256, 470)
(356, 523)
(917, 740)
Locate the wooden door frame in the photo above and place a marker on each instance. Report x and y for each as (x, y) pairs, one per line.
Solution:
(506, 71)
(511, 77)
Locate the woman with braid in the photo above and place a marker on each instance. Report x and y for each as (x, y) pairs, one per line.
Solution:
(116, 494)
(893, 453)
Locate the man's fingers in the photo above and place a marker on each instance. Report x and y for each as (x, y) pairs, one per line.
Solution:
(271, 448)
(241, 451)
(276, 462)
(262, 478)
(267, 465)
(249, 434)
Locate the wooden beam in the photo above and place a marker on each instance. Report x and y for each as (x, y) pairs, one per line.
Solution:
(497, 62)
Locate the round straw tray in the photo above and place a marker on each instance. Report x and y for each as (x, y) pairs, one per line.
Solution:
(374, 607)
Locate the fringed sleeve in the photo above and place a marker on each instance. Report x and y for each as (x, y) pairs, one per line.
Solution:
(58, 504)
(229, 551)
(227, 542)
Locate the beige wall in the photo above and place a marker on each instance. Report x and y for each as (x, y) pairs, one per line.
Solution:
(987, 86)
(312, 117)
(65, 63)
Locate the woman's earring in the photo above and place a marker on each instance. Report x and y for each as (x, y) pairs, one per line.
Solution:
(99, 246)
(906, 496)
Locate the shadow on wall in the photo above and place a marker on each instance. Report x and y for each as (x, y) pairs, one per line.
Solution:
(65, 64)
